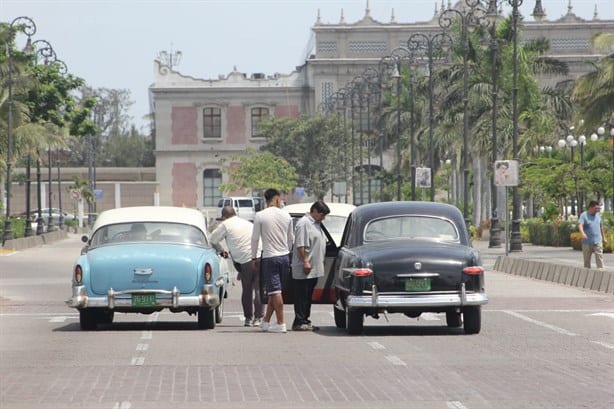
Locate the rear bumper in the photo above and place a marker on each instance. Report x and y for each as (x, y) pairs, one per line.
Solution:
(208, 297)
(375, 300)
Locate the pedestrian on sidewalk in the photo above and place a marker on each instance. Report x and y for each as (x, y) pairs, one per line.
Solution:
(237, 233)
(273, 227)
(593, 235)
(307, 262)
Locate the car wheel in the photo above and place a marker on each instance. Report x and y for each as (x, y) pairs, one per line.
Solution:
(106, 316)
(472, 317)
(88, 319)
(340, 320)
(219, 311)
(206, 318)
(355, 320)
(453, 319)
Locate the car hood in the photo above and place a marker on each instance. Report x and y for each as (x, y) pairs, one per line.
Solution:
(147, 266)
(390, 258)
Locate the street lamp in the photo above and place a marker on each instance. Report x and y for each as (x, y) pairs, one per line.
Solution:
(396, 75)
(422, 43)
(470, 17)
(25, 25)
(572, 143)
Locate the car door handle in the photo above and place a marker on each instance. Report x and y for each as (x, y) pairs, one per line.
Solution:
(143, 271)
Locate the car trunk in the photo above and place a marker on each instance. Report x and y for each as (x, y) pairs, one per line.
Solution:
(393, 263)
(147, 266)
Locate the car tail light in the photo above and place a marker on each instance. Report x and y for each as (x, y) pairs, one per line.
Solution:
(78, 274)
(473, 270)
(208, 273)
(362, 272)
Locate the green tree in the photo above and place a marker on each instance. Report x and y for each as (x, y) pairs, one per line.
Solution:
(260, 171)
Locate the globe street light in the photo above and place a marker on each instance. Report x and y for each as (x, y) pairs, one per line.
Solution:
(572, 143)
(434, 46)
(25, 25)
(470, 17)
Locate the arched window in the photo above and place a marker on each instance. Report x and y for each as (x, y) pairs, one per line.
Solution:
(212, 178)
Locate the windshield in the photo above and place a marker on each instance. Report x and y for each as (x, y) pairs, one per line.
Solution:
(149, 232)
(411, 227)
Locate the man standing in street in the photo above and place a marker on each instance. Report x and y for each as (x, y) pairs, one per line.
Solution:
(307, 262)
(238, 235)
(273, 227)
(593, 235)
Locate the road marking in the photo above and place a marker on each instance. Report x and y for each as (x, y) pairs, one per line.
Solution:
(540, 323)
(429, 316)
(376, 345)
(142, 347)
(122, 405)
(455, 405)
(146, 335)
(603, 344)
(395, 360)
(137, 361)
(602, 314)
(58, 319)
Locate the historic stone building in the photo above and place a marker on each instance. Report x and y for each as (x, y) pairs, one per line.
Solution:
(202, 124)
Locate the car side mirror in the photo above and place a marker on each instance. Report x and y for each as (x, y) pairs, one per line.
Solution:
(84, 238)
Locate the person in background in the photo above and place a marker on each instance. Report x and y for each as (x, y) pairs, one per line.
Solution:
(237, 233)
(593, 235)
(307, 262)
(273, 227)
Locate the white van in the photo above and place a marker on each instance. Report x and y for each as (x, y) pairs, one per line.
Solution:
(245, 207)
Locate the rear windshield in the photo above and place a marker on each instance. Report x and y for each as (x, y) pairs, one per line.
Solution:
(148, 232)
(245, 203)
(411, 227)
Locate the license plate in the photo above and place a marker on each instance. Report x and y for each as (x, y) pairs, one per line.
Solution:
(143, 300)
(418, 284)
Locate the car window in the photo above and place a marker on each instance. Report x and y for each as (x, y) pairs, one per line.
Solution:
(243, 203)
(411, 227)
(148, 232)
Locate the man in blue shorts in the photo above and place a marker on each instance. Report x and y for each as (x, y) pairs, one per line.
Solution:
(273, 227)
(593, 236)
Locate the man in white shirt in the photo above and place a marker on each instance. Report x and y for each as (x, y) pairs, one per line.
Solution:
(238, 235)
(273, 227)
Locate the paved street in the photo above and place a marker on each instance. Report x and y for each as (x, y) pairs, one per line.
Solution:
(542, 345)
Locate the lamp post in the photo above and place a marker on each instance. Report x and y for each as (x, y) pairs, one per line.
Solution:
(572, 143)
(470, 17)
(422, 43)
(25, 25)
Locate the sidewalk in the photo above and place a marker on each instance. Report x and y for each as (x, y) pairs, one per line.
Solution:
(553, 255)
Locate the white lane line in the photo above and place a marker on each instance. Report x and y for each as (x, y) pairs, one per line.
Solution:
(376, 345)
(540, 323)
(455, 405)
(395, 360)
(58, 319)
(142, 347)
(603, 344)
(602, 314)
(429, 316)
(122, 405)
(146, 335)
(137, 361)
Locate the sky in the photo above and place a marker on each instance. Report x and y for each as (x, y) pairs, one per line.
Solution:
(113, 43)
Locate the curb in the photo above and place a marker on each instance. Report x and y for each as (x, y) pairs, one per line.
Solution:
(35, 241)
(588, 278)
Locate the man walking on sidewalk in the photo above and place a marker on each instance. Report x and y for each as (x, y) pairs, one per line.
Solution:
(593, 235)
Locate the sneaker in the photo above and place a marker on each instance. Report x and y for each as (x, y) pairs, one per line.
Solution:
(264, 326)
(248, 322)
(257, 322)
(280, 328)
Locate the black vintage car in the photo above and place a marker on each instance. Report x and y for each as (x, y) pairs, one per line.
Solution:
(410, 258)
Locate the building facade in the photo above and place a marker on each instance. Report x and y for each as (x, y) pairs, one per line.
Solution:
(203, 125)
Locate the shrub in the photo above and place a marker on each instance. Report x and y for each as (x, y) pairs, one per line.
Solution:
(556, 233)
(576, 242)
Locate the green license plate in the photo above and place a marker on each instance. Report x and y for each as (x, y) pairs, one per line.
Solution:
(143, 300)
(418, 284)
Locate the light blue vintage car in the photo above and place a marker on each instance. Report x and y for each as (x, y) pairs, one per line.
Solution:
(145, 259)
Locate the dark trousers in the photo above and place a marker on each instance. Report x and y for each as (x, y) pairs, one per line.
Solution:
(302, 292)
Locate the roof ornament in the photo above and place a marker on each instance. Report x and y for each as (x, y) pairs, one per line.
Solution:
(595, 14)
(569, 7)
(342, 19)
(392, 18)
(538, 11)
(318, 19)
(367, 10)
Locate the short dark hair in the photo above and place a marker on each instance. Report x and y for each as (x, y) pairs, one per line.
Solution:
(228, 211)
(269, 194)
(593, 203)
(320, 207)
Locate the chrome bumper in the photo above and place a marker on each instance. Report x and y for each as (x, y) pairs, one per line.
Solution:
(208, 297)
(375, 300)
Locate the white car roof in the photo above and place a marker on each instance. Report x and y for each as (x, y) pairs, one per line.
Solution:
(336, 209)
(173, 214)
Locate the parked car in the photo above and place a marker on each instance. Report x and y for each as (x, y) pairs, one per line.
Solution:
(145, 259)
(245, 207)
(409, 258)
(55, 215)
(333, 224)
